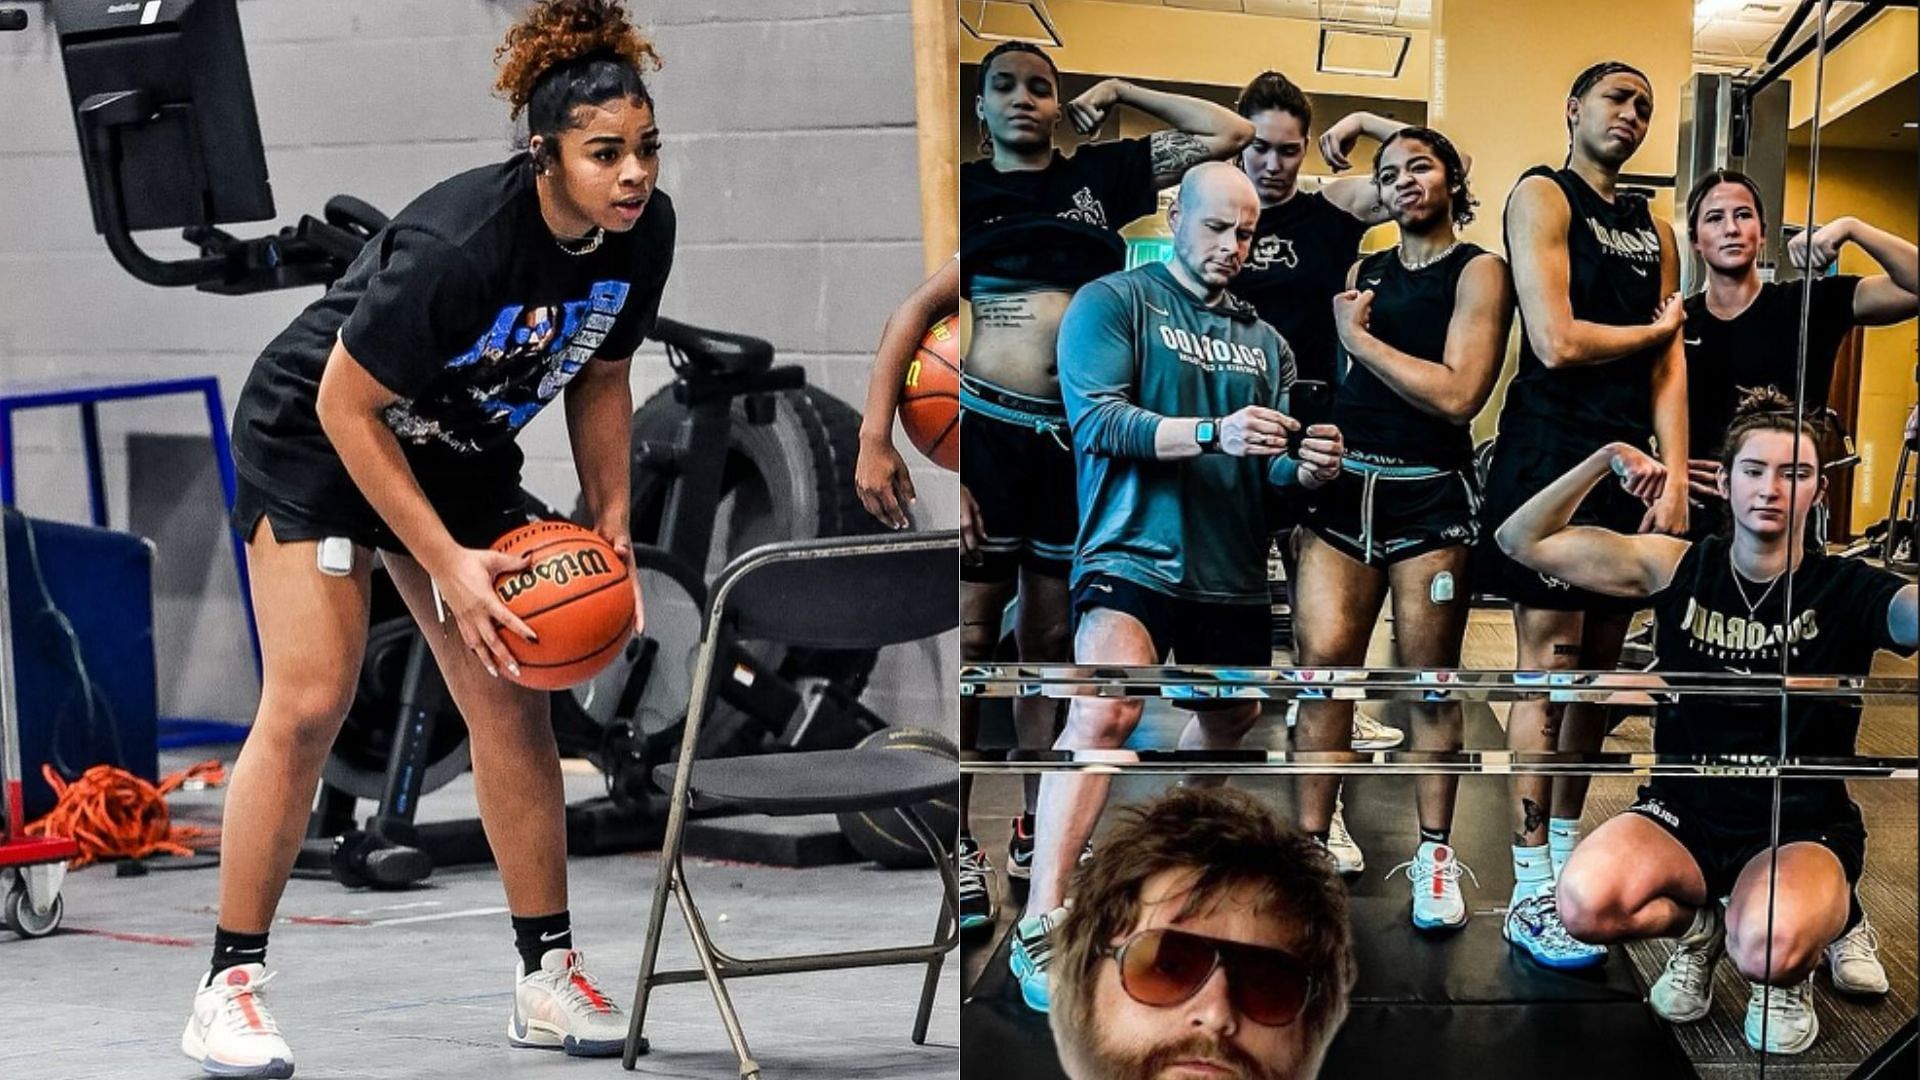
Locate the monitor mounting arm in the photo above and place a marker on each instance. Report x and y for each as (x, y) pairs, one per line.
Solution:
(312, 252)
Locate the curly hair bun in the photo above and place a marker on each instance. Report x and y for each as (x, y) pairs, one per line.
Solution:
(1764, 399)
(554, 32)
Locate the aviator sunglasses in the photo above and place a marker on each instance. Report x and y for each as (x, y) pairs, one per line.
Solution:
(1166, 967)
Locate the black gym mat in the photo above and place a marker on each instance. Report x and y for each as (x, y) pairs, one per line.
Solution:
(1590, 1026)
(1398, 964)
(1563, 1040)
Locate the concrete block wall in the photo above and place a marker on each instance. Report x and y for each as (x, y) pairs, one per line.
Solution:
(789, 151)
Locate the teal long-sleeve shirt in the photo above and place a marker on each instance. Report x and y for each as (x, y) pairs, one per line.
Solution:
(1134, 348)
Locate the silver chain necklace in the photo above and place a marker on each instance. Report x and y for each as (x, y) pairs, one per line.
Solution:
(1401, 253)
(589, 243)
(1753, 606)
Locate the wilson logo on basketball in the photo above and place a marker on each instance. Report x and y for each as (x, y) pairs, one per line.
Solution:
(557, 570)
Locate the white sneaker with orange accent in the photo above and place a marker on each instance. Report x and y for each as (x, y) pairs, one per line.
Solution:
(561, 1007)
(1435, 871)
(231, 1033)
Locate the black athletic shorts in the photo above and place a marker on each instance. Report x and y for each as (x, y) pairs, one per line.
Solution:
(1194, 632)
(1520, 469)
(1722, 854)
(1385, 515)
(1018, 466)
(475, 520)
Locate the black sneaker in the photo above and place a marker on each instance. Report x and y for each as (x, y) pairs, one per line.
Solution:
(1020, 849)
(976, 886)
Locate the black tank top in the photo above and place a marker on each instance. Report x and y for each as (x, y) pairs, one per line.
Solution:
(1411, 312)
(1613, 262)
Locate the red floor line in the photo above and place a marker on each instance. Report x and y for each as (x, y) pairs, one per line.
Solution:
(324, 920)
(138, 939)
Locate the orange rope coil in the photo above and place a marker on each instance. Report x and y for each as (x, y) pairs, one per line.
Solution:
(113, 814)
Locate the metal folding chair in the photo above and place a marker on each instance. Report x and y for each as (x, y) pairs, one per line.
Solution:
(847, 593)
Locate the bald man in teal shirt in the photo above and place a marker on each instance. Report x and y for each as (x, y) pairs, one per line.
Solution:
(1176, 394)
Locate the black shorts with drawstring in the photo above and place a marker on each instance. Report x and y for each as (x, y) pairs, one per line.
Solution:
(1018, 466)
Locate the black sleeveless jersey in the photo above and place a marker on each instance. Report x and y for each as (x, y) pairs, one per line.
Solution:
(1613, 262)
(1411, 312)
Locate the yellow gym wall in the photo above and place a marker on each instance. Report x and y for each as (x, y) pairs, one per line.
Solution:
(1880, 188)
(1177, 44)
(1880, 56)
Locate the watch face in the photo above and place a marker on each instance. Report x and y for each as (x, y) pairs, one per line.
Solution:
(1204, 432)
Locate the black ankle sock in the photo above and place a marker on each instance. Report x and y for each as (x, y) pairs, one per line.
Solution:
(1320, 835)
(1854, 912)
(1437, 836)
(231, 949)
(534, 935)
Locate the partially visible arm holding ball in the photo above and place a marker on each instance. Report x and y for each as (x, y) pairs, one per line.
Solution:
(880, 474)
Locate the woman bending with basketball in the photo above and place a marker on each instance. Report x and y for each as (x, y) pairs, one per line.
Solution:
(384, 419)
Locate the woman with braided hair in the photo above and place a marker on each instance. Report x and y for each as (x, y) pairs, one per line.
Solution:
(384, 419)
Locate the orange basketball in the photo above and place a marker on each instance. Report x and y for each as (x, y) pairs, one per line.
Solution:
(930, 398)
(576, 595)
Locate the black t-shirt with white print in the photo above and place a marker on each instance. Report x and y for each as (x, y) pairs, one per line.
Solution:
(467, 308)
(1706, 622)
(1055, 226)
(1296, 265)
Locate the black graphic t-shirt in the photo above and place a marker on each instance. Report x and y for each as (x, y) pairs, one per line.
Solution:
(1613, 262)
(1055, 226)
(1761, 347)
(467, 309)
(1704, 624)
(1412, 311)
(1296, 266)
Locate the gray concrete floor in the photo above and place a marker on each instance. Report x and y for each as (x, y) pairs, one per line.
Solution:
(418, 984)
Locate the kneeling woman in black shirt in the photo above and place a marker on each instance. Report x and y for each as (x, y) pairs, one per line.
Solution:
(1663, 867)
(384, 418)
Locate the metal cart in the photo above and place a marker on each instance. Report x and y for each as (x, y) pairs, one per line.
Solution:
(31, 867)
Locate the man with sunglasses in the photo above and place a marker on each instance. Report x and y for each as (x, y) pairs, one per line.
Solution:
(1208, 939)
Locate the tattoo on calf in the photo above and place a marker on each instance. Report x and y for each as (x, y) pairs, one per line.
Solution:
(1175, 151)
(1532, 818)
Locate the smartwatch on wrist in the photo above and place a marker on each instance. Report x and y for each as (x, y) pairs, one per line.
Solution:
(1207, 434)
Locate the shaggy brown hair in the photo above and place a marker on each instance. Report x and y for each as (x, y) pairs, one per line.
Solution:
(1228, 839)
